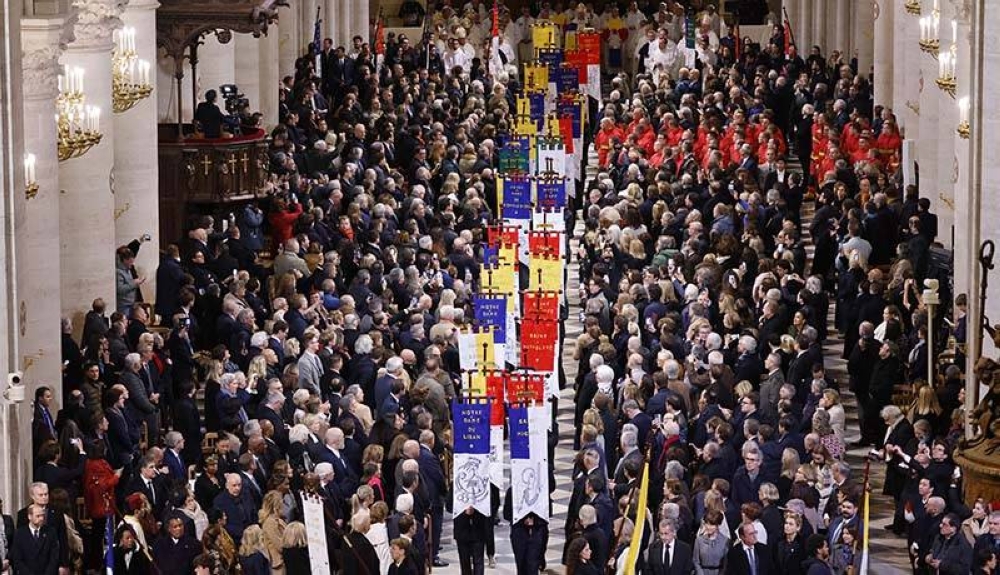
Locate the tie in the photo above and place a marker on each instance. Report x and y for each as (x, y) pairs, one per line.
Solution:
(666, 556)
(152, 492)
(752, 561)
(34, 533)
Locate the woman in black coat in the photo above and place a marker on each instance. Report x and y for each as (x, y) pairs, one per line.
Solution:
(295, 550)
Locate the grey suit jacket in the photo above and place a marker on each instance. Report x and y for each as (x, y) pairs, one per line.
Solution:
(310, 372)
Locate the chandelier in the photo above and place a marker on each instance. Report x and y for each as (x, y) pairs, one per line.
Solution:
(130, 75)
(912, 7)
(948, 64)
(78, 124)
(929, 27)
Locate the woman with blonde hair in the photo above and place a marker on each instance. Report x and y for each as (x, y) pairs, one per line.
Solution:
(926, 406)
(715, 502)
(362, 499)
(272, 525)
(295, 550)
(253, 555)
(978, 524)
(789, 465)
(378, 535)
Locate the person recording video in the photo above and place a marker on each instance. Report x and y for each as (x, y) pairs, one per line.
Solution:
(209, 116)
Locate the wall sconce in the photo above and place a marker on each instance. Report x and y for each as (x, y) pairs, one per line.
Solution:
(912, 7)
(30, 181)
(79, 125)
(929, 27)
(948, 64)
(963, 129)
(130, 75)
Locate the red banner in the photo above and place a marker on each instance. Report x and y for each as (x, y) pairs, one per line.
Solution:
(496, 383)
(542, 306)
(544, 244)
(590, 44)
(526, 387)
(579, 59)
(505, 235)
(566, 132)
(538, 344)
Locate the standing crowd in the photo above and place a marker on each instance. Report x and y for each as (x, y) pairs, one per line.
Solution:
(304, 349)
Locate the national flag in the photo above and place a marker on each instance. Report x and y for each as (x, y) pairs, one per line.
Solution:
(317, 43)
(496, 62)
(640, 522)
(379, 44)
(109, 542)
(789, 39)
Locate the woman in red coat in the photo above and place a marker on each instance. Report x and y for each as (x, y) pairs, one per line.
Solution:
(99, 482)
(282, 218)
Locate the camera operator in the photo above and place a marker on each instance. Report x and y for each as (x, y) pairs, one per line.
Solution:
(209, 116)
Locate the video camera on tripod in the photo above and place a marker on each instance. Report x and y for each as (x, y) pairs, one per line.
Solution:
(235, 101)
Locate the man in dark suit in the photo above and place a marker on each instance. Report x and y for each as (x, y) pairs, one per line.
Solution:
(43, 424)
(40, 498)
(331, 451)
(35, 548)
(747, 480)
(173, 457)
(240, 512)
(748, 557)
(148, 482)
(991, 540)
(253, 489)
(270, 410)
(390, 405)
(174, 551)
(669, 555)
(433, 480)
(848, 518)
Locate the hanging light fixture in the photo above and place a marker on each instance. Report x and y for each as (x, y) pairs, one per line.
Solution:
(130, 75)
(964, 129)
(30, 181)
(79, 125)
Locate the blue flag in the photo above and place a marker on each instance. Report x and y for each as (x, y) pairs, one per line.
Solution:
(109, 542)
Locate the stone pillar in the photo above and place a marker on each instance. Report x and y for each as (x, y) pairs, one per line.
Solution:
(908, 58)
(842, 25)
(946, 116)
(361, 25)
(863, 41)
(290, 42)
(247, 72)
(137, 198)
(964, 258)
(819, 17)
(332, 15)
(883, 81)
(38, 227)
(927, 151)
(803, 29)
(87, 202)
(791, 8)
(344, 18)
(216, 65)
(269, 77)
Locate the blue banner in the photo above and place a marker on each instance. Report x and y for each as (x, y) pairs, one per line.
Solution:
(536, 108)
(520, 444)
(552, 195)
(491, 256)
(567, 79)
(551, 57)
(516, 200)
(573, 109)
(472, 427)
(491, 311)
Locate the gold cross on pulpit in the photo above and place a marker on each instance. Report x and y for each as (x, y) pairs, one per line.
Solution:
(207, 163)
(246, 162)
(232, 163)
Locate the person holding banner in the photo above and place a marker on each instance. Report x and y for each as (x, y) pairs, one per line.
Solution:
(471, 531)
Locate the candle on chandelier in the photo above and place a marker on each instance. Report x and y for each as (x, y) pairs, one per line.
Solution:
(144, 72)
(963, 110)
(923, 28)
(29, 169)
(954, 32)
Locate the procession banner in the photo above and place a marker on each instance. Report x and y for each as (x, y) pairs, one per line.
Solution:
(541, 305)
(467, 352)
(496, 456)
(551, 194)
(486, 350)
(477, 383)
(496, 390)
(539, 339)
(536, 108)
(551, 157)
(312, 516)
(578, 59)
(568, 78)
(514, 194)
(529, 461)
(589, 42)
(515, 156)
(526, 386)
(490, 311)
(471, 469)
(536, 77)
(544, 35)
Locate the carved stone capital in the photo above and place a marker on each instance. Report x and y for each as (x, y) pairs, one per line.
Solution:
(962, 9)
(42, 42)
(96, 21)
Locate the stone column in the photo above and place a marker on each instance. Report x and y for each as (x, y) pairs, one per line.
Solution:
(137, 197)
(269, 77)
(842, 26)
(247, 72)
(863, 41)
(927, 151)
(290, 42)
(964, 258)
(946, 116)
(344, 18)
(37, 228)
(883, 81)
(803, 29)
(332, 14)
(216, 65)
(87, 202)
(791, 8)
(819, 17)
(909, 59)
(361, 24)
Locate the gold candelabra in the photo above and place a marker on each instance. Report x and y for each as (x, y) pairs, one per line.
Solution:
(78, 124)
(929, 25)
(130, 75)
(948, 64)
(912, 7)
(963, 129)
(30, 183)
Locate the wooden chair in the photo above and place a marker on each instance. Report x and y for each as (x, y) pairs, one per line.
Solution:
(208, 443)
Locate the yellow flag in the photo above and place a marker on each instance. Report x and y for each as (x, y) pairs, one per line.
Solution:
(484, 340)
(640, 523)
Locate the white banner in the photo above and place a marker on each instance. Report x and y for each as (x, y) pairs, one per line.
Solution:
(530, 475)
(467, 357)
(472, 482)
(548, 152)
(312, 511)
(496, 456)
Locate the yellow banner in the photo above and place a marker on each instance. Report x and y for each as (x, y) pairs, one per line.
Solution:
(536, 77)
(484, 341)
(477, 383)
(501, 278)
(551, 272)
(544, 35)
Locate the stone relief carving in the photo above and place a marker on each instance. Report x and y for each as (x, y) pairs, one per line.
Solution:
(962, 9)
(40, 70)
(96, 21)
